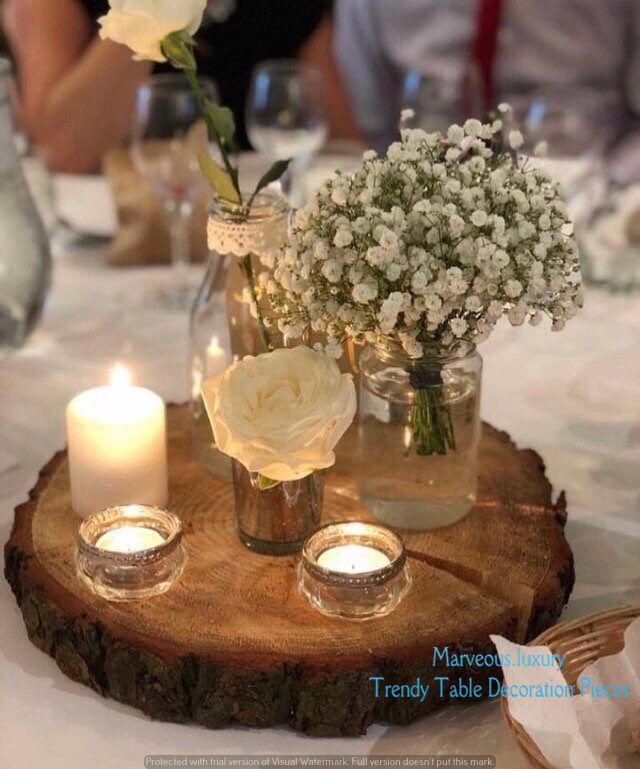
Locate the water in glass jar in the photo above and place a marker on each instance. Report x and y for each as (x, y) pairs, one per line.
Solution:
(399, 486)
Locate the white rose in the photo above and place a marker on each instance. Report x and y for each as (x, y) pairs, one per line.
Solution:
(281, 414)
(142, 25)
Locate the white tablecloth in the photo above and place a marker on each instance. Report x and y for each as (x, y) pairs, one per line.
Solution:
(574, 397)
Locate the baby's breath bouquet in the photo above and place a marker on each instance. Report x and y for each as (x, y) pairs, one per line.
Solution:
(429, 246)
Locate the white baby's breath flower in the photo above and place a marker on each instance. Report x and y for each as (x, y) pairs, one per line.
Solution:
(473, 303)
(339, 196)
(343, 238)
(516, 139)
(535, 319)
(513, 288)
(458, 326)
(479, 218)
(455, 133)
(473, 127)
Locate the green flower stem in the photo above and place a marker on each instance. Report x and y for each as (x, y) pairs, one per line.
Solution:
(431, 422)
(247, 269)
(178, 48)
(192, 78)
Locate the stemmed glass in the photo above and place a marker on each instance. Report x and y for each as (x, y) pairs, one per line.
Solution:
(168, 132)
(438, 100)
(286, 117)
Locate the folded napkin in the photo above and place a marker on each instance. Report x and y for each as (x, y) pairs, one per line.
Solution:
(142, 236)
(596, 726)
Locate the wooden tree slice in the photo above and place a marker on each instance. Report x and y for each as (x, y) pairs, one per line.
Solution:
(234, 643)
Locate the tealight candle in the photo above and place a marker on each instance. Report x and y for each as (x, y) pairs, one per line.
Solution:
(117, 446)
(130, 552)
(129, 539)
(353, 570)
(353, 559)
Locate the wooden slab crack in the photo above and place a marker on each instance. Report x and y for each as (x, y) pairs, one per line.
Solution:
(234, 643)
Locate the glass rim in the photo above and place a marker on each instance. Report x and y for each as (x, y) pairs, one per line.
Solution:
(172, 81)
(166, 523)
(373, 535)
(268, 205)
(389, 347)
(288, 66)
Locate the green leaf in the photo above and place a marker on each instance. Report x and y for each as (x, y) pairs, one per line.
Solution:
(272, 175)
(222, 121)
(264, 483)
(218, 178)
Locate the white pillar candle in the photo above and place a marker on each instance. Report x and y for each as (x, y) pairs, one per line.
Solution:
(117, 447)
(130, 539)
(353, 559)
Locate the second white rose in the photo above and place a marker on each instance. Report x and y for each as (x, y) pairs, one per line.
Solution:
(282, 413)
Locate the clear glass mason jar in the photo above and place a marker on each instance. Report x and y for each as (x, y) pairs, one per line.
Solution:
(25, 260)
(223, 328)
(276, 520)
(419, 430)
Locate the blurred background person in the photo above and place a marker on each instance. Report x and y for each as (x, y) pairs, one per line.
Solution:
(77, 91)
(571, 68)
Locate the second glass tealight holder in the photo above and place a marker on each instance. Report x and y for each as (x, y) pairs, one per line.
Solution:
(130, 552)
(353, 570)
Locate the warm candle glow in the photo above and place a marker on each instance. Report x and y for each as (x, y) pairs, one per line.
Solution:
(217, 358)
(117, 446)
(214, 350)
(120, 376)
(353, 559)
(130, 539)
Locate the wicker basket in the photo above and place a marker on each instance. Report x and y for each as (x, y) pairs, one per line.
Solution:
(583, 641)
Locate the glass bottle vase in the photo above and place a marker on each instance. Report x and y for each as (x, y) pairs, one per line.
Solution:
(418, 435)
(25, 259)
(229, 319)
(243, 238)
(210, 355)
(276, 520)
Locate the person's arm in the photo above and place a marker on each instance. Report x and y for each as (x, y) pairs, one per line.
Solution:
(76, 91)
(318, 51)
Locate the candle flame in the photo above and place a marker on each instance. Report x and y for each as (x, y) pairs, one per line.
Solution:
(214, 346)
(120, 376)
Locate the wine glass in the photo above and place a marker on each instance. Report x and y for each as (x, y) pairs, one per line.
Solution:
(437, 100)
(286, 117)
(168, 132)
(566, 131)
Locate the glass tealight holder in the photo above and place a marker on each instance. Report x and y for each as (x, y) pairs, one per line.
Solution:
(130, 552)
(353, 570)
